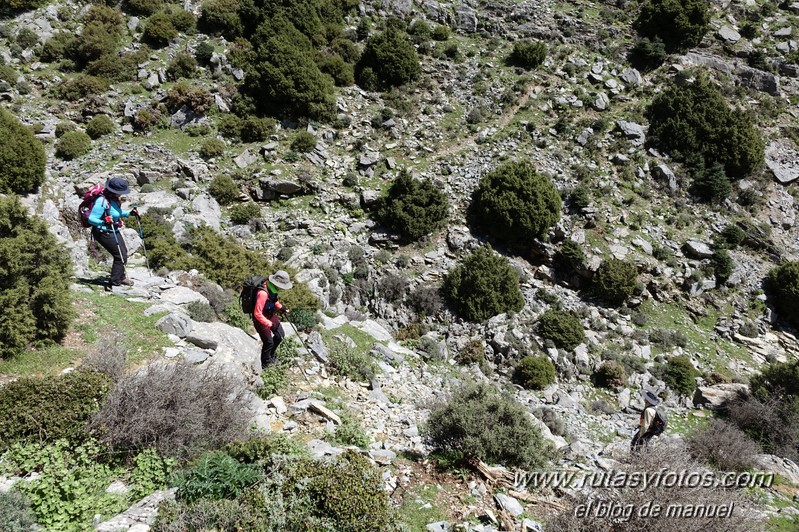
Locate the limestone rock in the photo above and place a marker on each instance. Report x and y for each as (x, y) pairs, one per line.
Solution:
(716, 395)
(175, 323)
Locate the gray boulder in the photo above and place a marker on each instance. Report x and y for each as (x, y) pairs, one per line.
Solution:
(633, 131)
(716, 395)
(783, 161)
(180, 295)
(697, 250)
(233, 348)
(175, 323)
(467, 19)
(140, 516)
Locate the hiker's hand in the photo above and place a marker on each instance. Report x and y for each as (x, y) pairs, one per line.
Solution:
(284, 310)
(135, 212)
(108, 219)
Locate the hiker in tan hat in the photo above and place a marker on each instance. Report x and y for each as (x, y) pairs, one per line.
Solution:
(265, 317)
(652, 423)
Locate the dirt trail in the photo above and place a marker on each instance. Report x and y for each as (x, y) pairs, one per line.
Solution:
(470, 142)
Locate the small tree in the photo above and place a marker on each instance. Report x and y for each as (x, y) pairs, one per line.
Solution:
(483, 285)
(224, 189)
(515, 203)
(22, 158)
(680, 24)
(783, 287)
(73, 144)
(391, 58)
(413, 208)
(534, 373)
(615, 281)
(99, 126)
(561, 327)
(159, 30)
(680, 375)
(528, 55)
(221, 17)
(480, 422)
(305, 141)
(34, 281)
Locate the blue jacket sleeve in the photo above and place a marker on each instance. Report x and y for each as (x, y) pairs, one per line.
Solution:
(96, 216)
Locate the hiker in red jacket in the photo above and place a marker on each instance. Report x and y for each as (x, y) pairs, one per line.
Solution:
(265, 318)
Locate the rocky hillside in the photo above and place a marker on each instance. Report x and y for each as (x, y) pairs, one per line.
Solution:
(581, 118)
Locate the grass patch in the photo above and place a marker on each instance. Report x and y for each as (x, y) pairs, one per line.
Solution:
(419, 508)
(101, 315)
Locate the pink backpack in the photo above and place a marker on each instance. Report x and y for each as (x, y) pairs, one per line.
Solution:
(85, 208)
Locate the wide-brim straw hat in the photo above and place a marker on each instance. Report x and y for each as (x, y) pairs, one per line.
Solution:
(281, 280)
(651, 398)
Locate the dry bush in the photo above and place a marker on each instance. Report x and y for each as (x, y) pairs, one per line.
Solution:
(667, 458)
(723, 446)
(179, 409)
(108, 357)
(773, 424)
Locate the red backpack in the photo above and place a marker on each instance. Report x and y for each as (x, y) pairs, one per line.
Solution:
(85, 208)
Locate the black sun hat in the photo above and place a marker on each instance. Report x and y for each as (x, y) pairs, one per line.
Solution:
(118, 186)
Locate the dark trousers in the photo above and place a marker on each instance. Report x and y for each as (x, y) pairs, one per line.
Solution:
(638, 443)
(120, 253)
(271, 338)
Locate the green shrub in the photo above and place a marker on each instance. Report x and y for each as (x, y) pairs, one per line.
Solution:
(782, 283)
(34, 281)
(224, 261)
(143, 7)
(235, 317)
(350, 432)
(81, 86)
(648, 54)
(15, 511)
(483, 285)
(204, 52)
(776, 381)
(515, 203)
(569, 259)
(224, 189)
(711, 184)
(732, 235)
(221, 17)
(73, 144)
(151, 473)
(534, 372)
(177, 409)
(303, 319)
(680, 24)
(562, 328)
(723, 265)
(391, 58)
(351, 362)
(22, 157)
(215, 475)
(99, 126)
(611, 374)
(259, 448)
(200, 311)
(184, 65)
(481, 422)
(27, 38)
(696, 123)
(159, 30)
(212, 148)
(680, 375)
(58, 47)
(244, 212)
(183, 21)
(11, 6)
(282, 76)
(615, 281)
(303, 142)
(250, 129)
(413, 208)
(71, 487)
(50, 408)
(528, 55)
(336, 67)
(197, 98)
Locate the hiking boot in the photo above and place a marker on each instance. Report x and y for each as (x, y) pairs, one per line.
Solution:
(126, 282)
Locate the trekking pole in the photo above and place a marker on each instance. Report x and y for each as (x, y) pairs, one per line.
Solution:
(143, 246)
(297, 334)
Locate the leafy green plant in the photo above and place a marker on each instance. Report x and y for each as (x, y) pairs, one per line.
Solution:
(723, 265)
(528, 55)
(680, 24)
(303, 142)
(615, 281)
(413, 208)
(244, 213)
(350, 362)
(21, 157)
(73, 144)
(696, 123)
(159, 29)
(611, 374)
(350, 432)
(391, 59)
(782, 283)
(680, 375)
(481, 422)
(201, 311)
(221, 17)
(236, 317)
(99, 126)
(215, 475)
(212, 148)
(562, 328)
(184, 65)
(224, 189)
(259, 448)
(151, 472)
(50, 408)
(534, 372)
(515, 203)
(483, 285)
(275, 379)
(81, 86)
(304, 319)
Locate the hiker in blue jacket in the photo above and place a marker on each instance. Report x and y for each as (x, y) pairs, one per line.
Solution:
(106, 220)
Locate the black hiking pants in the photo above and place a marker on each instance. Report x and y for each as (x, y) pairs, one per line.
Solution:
(271, 339)
(119, 252)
